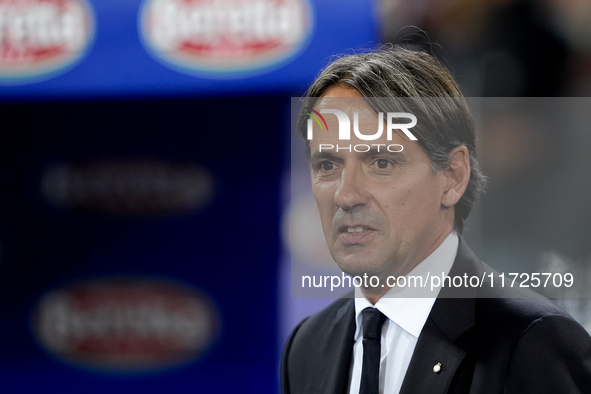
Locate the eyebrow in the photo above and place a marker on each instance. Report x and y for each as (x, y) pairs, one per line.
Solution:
(322, 155)
(399, 157)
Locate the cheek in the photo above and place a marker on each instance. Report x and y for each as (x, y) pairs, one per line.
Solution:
(426, 203)
(415, 204)
(324, 196)
(403, 208)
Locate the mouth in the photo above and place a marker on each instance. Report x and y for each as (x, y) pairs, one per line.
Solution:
(357, 228)
(354, 234)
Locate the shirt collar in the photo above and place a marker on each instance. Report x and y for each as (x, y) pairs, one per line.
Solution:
(401, 304)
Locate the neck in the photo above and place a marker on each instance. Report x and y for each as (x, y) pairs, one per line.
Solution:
(374, 294)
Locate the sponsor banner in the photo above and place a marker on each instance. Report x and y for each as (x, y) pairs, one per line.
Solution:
(125, 324)
(41, 38)
(128, 187)
(225, 38)
(151, 48)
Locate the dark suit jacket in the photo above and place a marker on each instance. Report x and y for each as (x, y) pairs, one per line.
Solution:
(485, 344)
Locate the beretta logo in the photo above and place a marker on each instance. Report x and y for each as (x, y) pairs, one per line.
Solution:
(39, 38)
(137, 187)
(126, 324)
(225, 38)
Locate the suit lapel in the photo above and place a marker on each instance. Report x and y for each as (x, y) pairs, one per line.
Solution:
(433, 348)
(452, 315)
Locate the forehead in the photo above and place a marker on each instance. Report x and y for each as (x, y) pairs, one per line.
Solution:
(361, 118)
(343, 99)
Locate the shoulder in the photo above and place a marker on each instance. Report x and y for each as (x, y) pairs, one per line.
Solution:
(514, 317)
(516, 309)
(543, 348)
(553, 353)
(326, 335)
(526, 345)
(519, 305)
(497, 302)
(515, 312)
(315, 327)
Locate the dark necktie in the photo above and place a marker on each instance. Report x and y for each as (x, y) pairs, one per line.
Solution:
(373, 320)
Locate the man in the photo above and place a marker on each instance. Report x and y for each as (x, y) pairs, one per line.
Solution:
(392, 212)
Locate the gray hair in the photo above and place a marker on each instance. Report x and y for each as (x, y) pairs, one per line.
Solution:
(404, 73)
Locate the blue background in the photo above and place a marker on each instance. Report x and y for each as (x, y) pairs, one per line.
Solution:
(119, 103)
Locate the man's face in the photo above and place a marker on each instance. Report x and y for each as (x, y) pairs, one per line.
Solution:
(381, 211)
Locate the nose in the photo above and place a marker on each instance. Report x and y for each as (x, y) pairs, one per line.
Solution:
(350, 193)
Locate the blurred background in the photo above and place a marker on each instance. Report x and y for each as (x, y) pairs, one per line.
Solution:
(145, 198)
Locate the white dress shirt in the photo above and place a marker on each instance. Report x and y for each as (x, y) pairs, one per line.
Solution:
(406, 318)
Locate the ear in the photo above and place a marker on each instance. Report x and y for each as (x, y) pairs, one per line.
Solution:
(457, 176)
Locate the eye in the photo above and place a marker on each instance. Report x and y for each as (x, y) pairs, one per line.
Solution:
(327, 166)
(382, 164)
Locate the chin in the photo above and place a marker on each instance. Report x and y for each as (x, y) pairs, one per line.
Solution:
(359, 266)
